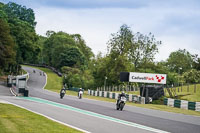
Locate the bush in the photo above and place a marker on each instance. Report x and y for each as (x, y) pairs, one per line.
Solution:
(192, 76)
(160, 101)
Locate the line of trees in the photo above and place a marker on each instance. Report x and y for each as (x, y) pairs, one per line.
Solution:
(126, 51)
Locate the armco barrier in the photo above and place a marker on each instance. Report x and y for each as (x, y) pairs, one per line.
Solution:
(127, 96)
(192, 105)
(112, 95)
(105, 94)
(135, 98)
(102, 94)
(182, 104)
(165, 101)
(130, 97)
(197, 106)
(116, 95)
(177, 103)
(108, 94)
(170, 102)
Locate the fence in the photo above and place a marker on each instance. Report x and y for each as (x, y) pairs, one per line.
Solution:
(184, 88)
(118, 88)
(113, 95)
(192, 88)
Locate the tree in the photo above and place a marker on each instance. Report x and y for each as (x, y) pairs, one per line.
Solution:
(56, 44)
(180, 61)
(192, 76)
(22, 22)
(120, 42)
(40, 44)
(25, 38)
(71, 57)
(7, 47)
(75, 78)
(14, 10)
(143, 49)
(80, 43)
(62, 49)
(2, 13)
(196, 62)
(138, 48)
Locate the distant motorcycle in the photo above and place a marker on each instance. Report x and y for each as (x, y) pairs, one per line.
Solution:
(80, 93)
(33, 71)
(120, 105)
(62, 94)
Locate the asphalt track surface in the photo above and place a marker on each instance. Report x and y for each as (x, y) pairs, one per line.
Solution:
(118, 121)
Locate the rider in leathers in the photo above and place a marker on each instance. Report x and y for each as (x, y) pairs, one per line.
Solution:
(79, 91)
(120, 95)
(63, 90)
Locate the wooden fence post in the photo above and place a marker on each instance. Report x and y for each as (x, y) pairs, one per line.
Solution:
(181, 87)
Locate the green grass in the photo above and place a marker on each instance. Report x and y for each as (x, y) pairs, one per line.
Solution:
(187, 94)
(23, 71)
(57, 84)
(17, 120)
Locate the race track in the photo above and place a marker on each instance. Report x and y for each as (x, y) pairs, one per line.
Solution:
(98, 116)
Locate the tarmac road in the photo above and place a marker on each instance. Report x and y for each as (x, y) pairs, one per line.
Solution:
(118, 121)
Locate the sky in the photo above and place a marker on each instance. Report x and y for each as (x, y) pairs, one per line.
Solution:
(174, 22)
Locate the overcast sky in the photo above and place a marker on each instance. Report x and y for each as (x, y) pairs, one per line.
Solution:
(174, 22)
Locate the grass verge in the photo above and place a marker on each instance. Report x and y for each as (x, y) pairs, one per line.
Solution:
(17, 120)
(187, 92)
(56, 86)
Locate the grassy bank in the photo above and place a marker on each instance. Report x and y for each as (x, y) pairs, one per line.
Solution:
(16, 120)
(56, 86)
(188, 93)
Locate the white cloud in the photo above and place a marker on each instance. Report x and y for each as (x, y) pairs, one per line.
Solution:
(96, 25)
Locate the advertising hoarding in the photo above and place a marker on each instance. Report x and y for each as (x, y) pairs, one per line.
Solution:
(147, 78)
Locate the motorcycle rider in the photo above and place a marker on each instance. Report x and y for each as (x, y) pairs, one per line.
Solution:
(120, 95)
(80, 89)
(63, 90)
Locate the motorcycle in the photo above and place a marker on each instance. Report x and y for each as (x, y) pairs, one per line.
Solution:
(62, 94)
(80, 93)
(120, 105)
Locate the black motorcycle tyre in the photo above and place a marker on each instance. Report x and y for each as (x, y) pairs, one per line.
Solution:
(62, 95)
(80, 96)
(121, 106)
